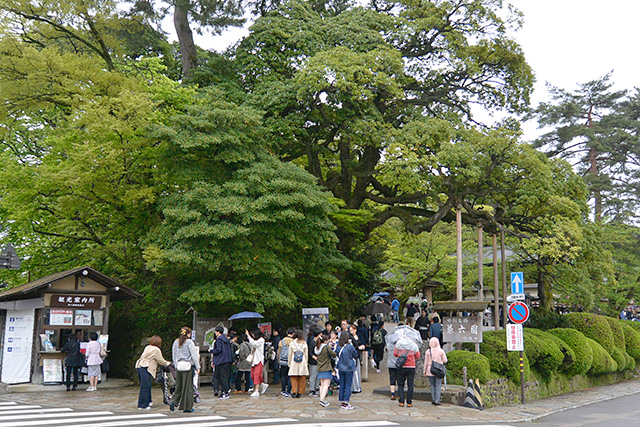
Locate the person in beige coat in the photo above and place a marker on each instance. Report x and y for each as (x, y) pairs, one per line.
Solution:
(298, 363)
(435, 353)
(147, 366)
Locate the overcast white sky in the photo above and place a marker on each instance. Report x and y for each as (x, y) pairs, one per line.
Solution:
(565, 42)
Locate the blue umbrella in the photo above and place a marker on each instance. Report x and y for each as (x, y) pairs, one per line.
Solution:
(381, 294)
(246, 315)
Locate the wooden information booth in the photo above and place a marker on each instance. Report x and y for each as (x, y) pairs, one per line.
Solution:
(36, 319)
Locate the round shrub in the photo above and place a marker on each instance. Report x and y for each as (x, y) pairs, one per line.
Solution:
(618, 356)
(568, 355)
(618, 332)
(477, 365)
(631, 339)
(543, 353)
(603, 363)
(631, 363)
(583, 354)
(594, 327)
(502, 362)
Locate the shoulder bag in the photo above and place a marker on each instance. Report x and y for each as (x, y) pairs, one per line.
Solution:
(438, 369)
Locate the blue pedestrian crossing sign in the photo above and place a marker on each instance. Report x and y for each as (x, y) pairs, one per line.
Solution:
(517, 283)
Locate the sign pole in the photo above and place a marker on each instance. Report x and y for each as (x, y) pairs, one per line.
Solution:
(522, 376)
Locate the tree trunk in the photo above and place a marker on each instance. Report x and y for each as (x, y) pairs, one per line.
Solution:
(593, 170)
(185, 37)
(544, 291)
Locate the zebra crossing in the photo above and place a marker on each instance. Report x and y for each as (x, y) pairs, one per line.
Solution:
(14, 414)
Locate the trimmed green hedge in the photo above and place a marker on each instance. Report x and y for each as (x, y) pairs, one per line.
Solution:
(504, 363)
(631, 363)
(568, 355)
(618, 332)
(593, 326)
(477, 365)
(618, 356)
(631, 338)
(603, 363)
(583, 354)
(543, 352)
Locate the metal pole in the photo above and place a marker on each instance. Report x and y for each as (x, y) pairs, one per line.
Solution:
(459, 254)
(496, 280)
(503, 253)
(522, 376)
(480, 278)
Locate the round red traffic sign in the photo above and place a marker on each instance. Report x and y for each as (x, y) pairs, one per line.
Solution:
(518, 312)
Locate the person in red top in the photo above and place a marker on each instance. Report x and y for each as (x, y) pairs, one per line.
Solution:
(407, 351)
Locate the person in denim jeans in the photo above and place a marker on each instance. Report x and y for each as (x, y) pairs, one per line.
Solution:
(347, 355)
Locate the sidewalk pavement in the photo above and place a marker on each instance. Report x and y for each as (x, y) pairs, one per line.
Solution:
(369, 406)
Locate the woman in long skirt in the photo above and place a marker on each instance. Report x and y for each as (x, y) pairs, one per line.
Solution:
(187, 363)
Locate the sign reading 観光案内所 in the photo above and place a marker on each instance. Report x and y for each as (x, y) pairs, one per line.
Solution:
(76, 301)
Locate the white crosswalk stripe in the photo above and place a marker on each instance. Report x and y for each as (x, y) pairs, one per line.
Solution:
(17, 415)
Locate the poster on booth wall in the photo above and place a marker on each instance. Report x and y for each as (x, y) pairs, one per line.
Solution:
(18, 346)
(265, 328)
(60, 317)
(83, 318)
(52, 371)
(314, 316)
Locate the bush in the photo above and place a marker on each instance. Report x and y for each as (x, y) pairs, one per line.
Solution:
(594, 327)
(618, 356)
(502, 362)
(542, 351)
(631, 339)
(568, 355)
(545, 320)
(583, 354)
(603, 363)
(477, 365)
(631, 363)
(618, 332)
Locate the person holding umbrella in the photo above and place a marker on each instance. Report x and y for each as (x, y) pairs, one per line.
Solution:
(407, 352)
(400, 332)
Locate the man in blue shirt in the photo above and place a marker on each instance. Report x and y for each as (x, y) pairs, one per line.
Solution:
(395, 307)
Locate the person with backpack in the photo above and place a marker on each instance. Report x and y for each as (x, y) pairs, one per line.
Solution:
(435, 330)
(298, 363)
(283, 361)
(74, 361)
(243, 365)
(422, 325)
(274, 365)
(222, 360)
(324, 354)
(407, 352)
(395, 308)
(346, 365)
(377, 343)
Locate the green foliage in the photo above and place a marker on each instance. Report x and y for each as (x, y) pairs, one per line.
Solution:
(477, 365)
(602, 363)
(583, 354)
(630, 362)
(632, 338)
(545, 320)
(543, 352)
(593, 326)
(618, 356)
(618, 332)
(503, 362)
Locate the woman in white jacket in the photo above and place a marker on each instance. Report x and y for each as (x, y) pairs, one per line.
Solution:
(298, 363)
(256, 341)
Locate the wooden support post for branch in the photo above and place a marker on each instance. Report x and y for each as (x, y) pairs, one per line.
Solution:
(459, 254)
(496, 283)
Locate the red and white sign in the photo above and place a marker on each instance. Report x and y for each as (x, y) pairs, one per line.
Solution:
(518, 312)
(515, 338)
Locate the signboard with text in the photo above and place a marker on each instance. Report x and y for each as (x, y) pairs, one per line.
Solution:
(76, 301)
(462, 329)
(515, 338)
(18, 346)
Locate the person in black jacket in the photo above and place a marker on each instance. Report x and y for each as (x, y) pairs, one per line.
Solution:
(73, 361)
(222, 360)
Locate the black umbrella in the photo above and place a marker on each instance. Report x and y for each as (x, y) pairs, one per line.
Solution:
(376, 308)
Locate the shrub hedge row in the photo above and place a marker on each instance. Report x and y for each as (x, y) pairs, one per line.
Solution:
(594, 345)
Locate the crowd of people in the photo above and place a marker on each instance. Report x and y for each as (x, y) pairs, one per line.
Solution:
(324, 360)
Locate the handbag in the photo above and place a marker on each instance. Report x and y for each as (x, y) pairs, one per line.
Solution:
(183, 365)
(103, 353)
(438, 369)
(250, 358)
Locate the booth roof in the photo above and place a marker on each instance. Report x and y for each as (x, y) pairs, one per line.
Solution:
(22, 291)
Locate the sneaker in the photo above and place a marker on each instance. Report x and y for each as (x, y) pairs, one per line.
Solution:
(283, 393)
(347, 406)
(224, 397)
(286, 394)
(378, 370)
(172, 407)
(263, 388)
(324, 403)
(189, 410)
(393, 396)
(250, 389)
(409, 405)
(255, 394)
(401, 404)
